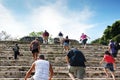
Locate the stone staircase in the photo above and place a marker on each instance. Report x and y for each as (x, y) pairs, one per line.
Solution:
(11, 69)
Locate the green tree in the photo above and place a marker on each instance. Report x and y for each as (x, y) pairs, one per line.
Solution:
(5, 36)
(38, 34)
(117, 38)
(35, 34)
(111, 32)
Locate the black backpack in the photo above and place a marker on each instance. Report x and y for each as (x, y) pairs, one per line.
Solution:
(15, 48)
(117, 46)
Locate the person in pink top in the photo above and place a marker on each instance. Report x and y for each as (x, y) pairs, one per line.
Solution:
(84, 39)
(109, 64)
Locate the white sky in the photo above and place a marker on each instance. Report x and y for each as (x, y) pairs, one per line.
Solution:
(51, 17)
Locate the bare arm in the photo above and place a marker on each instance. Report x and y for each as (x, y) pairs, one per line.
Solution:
(114, 64)
(29, 71)
(101, 61)
(39, 47)
(31, 45)
(67, 59)
(109, 48)
(51, 72)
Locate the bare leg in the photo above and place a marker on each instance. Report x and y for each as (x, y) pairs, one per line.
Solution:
(114, 66)
(71, 76)
(106, 72)
(113, 75)
(65, 48)
(35, 56)
(85, 46)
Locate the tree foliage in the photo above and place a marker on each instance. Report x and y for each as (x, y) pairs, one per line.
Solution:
(5, 36)
(35, 34)
(111, 32)
(39, 34)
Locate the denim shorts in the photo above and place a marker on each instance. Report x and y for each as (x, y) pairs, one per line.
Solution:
(65, 44)
(109, 66)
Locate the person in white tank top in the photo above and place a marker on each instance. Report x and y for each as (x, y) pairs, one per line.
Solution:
(42, 68)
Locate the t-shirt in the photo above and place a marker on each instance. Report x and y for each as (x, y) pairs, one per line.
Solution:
(76, 58)
(109, 59)
(66, 41)
(45, 34)
(35, 45)
(112, 47)
(83, 37)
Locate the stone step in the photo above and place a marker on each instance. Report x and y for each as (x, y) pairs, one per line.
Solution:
(61, 78)
(54, 53)
(58, 62)
(51, 52)
(22, 46)
(15, 63)
(52, 45)
(27, 55)
(51, 48)
(56, 68)
(57, 74)
(51, 57)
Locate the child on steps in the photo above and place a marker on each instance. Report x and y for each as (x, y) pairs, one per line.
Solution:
(110, 64)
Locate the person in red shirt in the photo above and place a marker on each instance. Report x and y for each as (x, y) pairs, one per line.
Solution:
(45, 36)
(110, 64)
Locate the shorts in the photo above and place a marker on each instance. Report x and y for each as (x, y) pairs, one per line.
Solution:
(78, 72)
(84, 41)
(109, 66)
(35, 51)
(65, 44)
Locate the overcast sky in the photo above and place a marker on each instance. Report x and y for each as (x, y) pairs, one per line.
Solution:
(72, 17)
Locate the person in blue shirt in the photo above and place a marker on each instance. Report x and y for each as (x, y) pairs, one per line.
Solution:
(111, 48)
(66, 42)
(60, 35)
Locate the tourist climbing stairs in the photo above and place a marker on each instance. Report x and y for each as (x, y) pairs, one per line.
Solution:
(11, 69)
